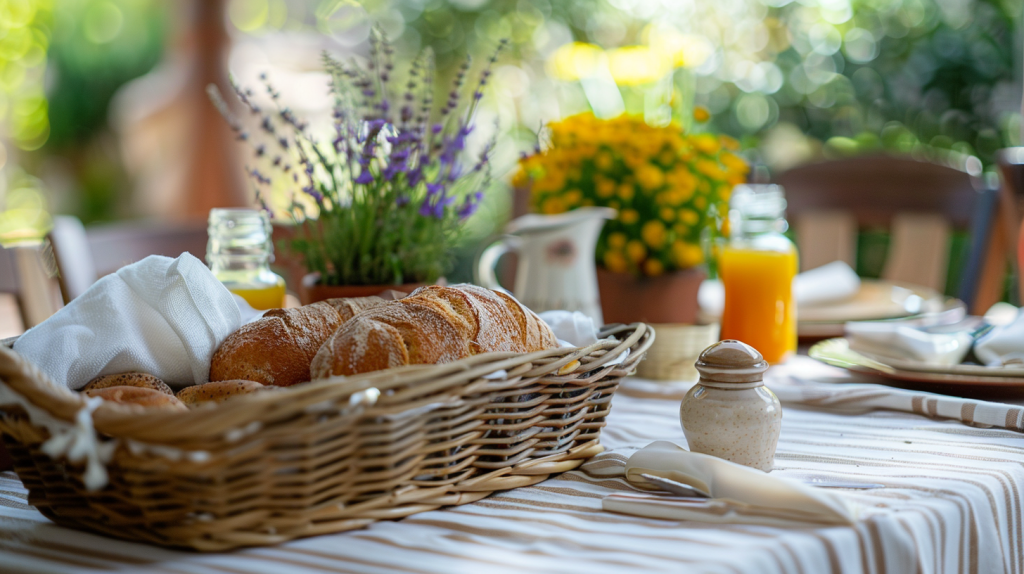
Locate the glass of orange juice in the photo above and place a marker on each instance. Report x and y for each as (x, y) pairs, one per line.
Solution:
(757, 265)
(239, 253)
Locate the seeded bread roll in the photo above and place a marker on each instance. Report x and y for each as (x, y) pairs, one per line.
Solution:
(433, 325)
(141, 380)
(277, 348)
(141, 396)
(216, 391)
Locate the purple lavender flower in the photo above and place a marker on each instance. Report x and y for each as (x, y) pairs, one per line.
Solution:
(312, 192)
(365, 177)
(386, 135)
(470, 204)
(415, 177)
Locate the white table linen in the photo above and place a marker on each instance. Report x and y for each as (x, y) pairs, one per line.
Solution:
(951, 503)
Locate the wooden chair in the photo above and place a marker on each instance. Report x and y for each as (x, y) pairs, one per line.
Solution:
(83, 256)
(29, 292)
(1011, 196)
(919, 202)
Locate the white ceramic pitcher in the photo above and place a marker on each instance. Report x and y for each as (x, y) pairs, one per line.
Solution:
(556, 260)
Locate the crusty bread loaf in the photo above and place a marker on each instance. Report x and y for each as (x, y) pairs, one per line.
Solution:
(141, 380)
(348, 307)
(277, 348)
(216, 391)
(141, 396)
(433, 325)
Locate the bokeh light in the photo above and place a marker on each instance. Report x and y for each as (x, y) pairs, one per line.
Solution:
(823, 77)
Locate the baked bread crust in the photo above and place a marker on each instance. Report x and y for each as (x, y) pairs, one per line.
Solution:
(141, 380)
(433, 325)
(278, 348)
(348, 307)
(216, 391)
(140, 396)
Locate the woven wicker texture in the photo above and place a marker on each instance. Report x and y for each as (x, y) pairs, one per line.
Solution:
(672, 356)
(326, 456)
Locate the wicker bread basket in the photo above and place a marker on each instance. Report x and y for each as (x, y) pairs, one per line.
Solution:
(315, 458)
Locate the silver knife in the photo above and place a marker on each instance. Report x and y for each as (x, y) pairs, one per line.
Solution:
(680, 489)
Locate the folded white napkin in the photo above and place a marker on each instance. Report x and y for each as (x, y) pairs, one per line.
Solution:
(160, 316)
(740, 494)
(831, 282)
(571, 328)
(904, 342)
(1002, 344)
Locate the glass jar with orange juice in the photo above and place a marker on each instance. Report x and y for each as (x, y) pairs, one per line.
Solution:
(239, 253)
(757, 265)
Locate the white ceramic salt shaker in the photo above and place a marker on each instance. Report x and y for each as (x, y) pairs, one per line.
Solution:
(729, 413)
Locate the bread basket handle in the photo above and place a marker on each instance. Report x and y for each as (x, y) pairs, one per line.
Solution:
(487, 261)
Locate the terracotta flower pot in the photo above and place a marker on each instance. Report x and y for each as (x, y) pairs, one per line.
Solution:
(668, 298)
(313, 291)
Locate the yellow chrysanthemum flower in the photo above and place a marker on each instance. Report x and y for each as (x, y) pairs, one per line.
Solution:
(686, 255)
(688, 216)
(650, 177)
(710, 169)
(553, 205)
(729, 143)
(733, 162)
(626, 191)
(653, 234)
(653, 268)
(660, 179)
(701, 114)
(707, 143)
(615, 262)
(636, 251)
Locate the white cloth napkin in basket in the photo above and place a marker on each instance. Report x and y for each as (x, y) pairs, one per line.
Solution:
(740, 494)
(161, 316)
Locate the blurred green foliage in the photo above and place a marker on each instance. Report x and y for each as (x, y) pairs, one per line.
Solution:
(97, 46)
(854, 75)
(796, 79)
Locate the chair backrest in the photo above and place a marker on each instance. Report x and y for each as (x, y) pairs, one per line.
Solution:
(919, 202)
(12, 318)
(84, 255)
(29, 293)
(1011, 168)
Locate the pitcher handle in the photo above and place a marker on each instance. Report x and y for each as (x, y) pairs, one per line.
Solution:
(487, 261)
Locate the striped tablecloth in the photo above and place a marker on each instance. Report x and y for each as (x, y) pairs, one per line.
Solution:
(952, 503)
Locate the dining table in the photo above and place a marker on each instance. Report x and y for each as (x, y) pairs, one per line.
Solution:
(946, 476)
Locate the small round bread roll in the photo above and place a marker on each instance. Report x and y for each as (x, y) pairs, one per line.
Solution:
(216, 391)
(137, 396)
(141, 380)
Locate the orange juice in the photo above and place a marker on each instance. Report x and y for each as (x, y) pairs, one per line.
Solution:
(759, 305)
(261, 297)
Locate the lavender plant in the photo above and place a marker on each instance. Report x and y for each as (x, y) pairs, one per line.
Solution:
(383, 199)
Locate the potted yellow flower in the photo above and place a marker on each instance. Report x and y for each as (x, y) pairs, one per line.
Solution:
(668, 187)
